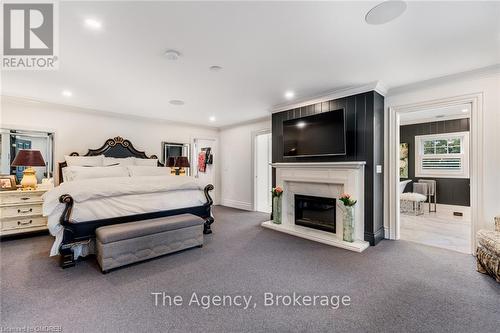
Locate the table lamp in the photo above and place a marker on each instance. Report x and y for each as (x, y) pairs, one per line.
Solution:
(171, 165)
(28, 158)
(181, 162)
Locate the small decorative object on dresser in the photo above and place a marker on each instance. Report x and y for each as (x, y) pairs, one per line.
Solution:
(277, 192)
(348, 221)
(29, 158)
(21, 212)
(7, 182)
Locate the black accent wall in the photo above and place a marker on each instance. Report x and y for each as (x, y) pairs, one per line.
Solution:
(450, 191)
(364, 142)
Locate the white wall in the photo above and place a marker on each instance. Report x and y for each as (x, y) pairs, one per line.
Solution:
(77, 130)
(489, 86)
(237, 163)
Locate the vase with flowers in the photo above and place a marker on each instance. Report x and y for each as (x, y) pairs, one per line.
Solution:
(348, 223)
(277, 192)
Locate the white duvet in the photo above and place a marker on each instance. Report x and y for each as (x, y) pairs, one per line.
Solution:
(102, 198)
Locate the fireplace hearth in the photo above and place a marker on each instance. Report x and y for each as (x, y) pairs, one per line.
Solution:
(315, 212)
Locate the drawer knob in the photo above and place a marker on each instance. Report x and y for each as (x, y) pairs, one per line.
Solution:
(25, 211)
(24, 223)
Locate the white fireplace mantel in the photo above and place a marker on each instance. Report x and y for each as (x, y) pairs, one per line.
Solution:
(325, 179)
(323, 165)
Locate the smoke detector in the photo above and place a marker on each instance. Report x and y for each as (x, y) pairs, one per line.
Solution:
(172, 54)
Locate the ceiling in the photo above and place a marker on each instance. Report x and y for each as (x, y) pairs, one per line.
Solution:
(436, 114)
(264, 48)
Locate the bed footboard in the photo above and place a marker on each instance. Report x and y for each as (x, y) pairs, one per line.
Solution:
(82, 232)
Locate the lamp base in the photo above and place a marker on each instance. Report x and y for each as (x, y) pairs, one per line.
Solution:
(29, 181)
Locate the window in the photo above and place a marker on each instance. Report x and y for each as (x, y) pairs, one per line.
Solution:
(442, 155)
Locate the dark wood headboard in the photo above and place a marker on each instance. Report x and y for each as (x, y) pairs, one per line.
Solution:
(116, 147)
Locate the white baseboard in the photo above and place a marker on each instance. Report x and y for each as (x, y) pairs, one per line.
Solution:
(237, 204)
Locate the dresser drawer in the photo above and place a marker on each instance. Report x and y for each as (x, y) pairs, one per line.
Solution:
(24, 222)
(18, 197)
(20, 211)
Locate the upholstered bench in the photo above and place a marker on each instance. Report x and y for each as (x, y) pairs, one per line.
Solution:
(488, 251)
(122, 244)
(411, 203)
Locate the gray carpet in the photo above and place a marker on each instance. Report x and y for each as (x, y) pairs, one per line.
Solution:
(394, 287)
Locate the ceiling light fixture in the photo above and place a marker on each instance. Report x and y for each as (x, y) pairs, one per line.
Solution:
(289, 94)
(385, 12)
(215, 68)
(67, 93)
(465, 110)
(172, 54)
(301, 124)
(212, 119)
(176, 102)
(93, 24)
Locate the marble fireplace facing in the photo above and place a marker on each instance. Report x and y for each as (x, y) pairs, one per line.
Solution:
(325, 181)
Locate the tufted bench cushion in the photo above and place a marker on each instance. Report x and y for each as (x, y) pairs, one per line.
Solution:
(122, 244)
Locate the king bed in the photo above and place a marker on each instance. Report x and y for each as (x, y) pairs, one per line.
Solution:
(120, 191)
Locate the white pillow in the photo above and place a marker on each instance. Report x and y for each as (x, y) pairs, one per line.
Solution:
(151, 162)
(124, 161)
(89, 161)
(138, 170)
(78, 173)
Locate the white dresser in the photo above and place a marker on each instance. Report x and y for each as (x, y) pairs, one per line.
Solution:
(21, 211)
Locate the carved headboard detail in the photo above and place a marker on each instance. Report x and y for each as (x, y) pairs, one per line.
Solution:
(115, 147)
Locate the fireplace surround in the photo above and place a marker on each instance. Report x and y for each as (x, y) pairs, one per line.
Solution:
(326, 180)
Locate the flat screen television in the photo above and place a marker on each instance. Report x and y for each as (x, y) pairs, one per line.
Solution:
(322, 134)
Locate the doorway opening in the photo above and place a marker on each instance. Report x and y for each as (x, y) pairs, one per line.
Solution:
(262, 175)
(435, 171)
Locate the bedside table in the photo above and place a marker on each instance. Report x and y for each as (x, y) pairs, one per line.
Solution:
(21, 212)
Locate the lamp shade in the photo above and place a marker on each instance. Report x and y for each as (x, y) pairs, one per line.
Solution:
(171, 162)
(181, 162)
(28, 158)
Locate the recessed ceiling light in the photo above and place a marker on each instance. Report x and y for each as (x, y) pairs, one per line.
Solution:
(172, 54)
(93, 24)
(212, 119)
(289, 94)
(215, 68)
(176, 102)
(385, 12)
(301, 124)
(67, 93)
(465, 110)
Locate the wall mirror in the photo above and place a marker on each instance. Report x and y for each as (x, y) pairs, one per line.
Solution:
(12, 140)
(170, 149)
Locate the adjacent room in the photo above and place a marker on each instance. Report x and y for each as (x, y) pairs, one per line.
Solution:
(250, 166)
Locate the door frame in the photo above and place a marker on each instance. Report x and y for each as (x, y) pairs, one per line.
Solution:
(254, 136)
(475, 157)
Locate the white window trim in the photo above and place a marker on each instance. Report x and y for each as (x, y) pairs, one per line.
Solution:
(464, 155)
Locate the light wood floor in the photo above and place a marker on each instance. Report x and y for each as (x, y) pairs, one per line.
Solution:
(436, 230)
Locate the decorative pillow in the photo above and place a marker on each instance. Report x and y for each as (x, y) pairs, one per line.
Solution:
(89, 161)
(151, 162)
(125, 161)
(138, 170)
(78, 173)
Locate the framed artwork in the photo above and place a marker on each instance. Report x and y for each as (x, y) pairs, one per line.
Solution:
(7, 182)
(403, 160)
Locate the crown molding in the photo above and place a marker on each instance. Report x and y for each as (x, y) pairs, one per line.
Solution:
(377, 86)
(468, 75)
(247, 122)
(73, 108)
